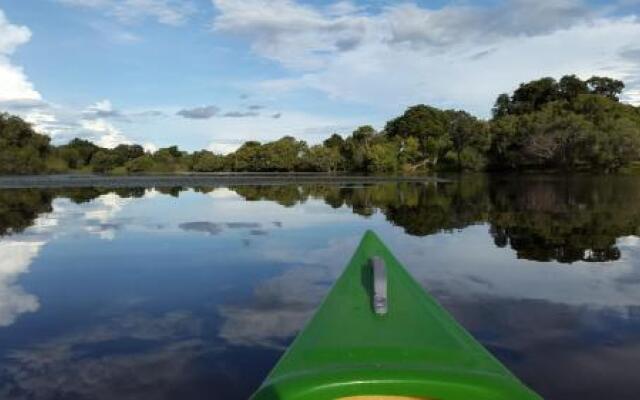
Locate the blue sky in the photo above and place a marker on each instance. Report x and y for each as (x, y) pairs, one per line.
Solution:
(214, 73)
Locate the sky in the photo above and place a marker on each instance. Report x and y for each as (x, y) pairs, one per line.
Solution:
(215, 73)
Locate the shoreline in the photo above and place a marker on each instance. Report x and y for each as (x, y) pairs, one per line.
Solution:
(199, 179)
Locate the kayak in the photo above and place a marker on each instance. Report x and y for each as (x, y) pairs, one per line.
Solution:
(379, 335)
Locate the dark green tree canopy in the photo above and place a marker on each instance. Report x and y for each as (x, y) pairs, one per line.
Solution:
(22, 150)
(568, 124)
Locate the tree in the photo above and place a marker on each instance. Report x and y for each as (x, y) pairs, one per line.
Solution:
(356, 148)
(383, 157)
(283, 154)
(571, 87)
(410, 151)
(70, 156)
(334, 141)
(22, 150)
(429, 125)
(143, 163)
(506, 143)
(104, 161)
(207, 161)
(531, 96)
(607, 87)
(467, 133)
(126, 152)
(85, 150)
(502, 106)
(247, 157)
(322, 158)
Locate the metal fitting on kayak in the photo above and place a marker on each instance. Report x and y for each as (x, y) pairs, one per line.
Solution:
(379, 285)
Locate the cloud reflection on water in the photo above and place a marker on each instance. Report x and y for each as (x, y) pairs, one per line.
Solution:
(550, 321)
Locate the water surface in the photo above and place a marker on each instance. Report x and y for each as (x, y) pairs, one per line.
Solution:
(193, 293)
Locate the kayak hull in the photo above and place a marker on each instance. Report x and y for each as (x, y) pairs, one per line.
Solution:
(415, 349)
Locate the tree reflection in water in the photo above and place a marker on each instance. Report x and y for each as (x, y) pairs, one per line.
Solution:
(541, 218)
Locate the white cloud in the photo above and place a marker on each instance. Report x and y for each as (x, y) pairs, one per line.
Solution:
(222, 147)
(150, 147)
(281, 305)
(11, 35)
(100, 215)
(14, 84)
(18, 95)
(168, 12)
(290, 32)
(103, 133)
(100, 109)
(15, 259)
(456, 56)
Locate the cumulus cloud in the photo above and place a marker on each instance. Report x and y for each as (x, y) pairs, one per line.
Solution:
(281, 305)
(286, 30)
(15, 259)
(204, 112)
(280, 308)
(102, 132)
(12, 35)
(452, 25)
(60, 365)
(458, 55)
(224, 146)
(15, 87)
(101, 109)
(18, 95)
(168, 12)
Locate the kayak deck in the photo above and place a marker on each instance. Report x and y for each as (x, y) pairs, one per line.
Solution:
(414, 350)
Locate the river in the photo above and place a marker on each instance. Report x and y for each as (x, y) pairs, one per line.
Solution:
(194, 293)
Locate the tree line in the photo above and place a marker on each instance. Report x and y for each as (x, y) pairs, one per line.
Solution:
(570, 124)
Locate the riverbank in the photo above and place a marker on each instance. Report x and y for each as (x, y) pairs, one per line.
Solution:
(194, 179)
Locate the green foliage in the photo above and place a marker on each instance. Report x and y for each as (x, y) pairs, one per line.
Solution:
(322, 158)
(532, 96)
(247, 158)
(383, 157)
(570, 124)
(20, 208)
(571, 86)
(141, 164)
(429, 125)
(567, 219)
(589, 132)
(502, 106)
(282, 155)
(104, 161)
(170, 159)
(207, 161)
(469, 140)
(607, 87)
(335, 142)
(79, 152)
(22, 150)
(56, 165)
(126, 152)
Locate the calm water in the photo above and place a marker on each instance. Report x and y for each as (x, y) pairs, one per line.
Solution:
(182, 293)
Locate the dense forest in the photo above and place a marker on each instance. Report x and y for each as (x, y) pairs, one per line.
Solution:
(570, 124)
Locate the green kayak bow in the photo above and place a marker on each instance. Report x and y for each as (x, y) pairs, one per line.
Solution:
(379, 335)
